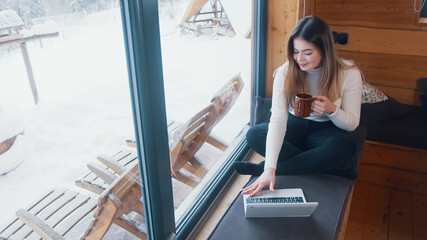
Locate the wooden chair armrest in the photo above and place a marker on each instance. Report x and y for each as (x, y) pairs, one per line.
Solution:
(38, 225)
(114, 165)
(216, 142)
(88, 185)
(131, 143)
(101, 172)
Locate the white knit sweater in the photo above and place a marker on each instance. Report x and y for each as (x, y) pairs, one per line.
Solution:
(346, 115)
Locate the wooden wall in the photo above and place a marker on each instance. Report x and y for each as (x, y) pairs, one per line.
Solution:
(385, 40)
(282, 17)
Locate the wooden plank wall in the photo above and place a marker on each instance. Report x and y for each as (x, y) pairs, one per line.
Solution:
(385, 40)
(282, 18)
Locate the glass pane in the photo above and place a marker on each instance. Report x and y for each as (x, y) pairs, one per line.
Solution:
(83, 115)
(206, 54)
(423, 13)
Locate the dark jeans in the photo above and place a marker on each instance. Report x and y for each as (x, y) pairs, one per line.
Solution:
(308, 147)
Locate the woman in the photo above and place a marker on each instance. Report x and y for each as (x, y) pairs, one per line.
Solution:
(318, 143)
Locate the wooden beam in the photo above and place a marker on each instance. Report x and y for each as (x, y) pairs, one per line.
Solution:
(29, 69)
(393, 178)
(282, 18)
(379, 13)
(27, 39)
(403, 95)
(374, 40)
(394, 156)
(307, 7)
(389, 69)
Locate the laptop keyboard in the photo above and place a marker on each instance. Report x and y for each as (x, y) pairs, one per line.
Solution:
(274, 200)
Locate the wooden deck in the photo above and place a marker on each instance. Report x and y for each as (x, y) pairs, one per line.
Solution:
(390, 196)
(379, 212)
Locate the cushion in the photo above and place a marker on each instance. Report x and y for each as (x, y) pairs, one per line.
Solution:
(359, 137)
(423, 97)
(262, 110)
(330, 191)
(423, 85)
(372, 113)
(409, 130)
(371, 94)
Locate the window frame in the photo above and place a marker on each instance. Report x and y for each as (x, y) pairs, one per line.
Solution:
(144, 63)
(143, 54)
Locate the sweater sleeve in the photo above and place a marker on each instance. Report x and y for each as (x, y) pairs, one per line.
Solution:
(347, 114)
(278, 121)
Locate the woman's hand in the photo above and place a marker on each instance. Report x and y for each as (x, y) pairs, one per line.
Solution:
(323, 105)
(268, 177)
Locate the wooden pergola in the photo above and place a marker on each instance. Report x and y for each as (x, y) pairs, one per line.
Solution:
(195, 18)
(10, 23)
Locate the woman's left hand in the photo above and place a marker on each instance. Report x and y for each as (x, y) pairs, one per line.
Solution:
(323, 105)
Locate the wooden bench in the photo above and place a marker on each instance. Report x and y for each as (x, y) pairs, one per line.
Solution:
(333, 193)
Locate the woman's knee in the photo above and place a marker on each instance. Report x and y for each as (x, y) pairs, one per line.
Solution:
(256, 137)
(257, 132)
(345, 144)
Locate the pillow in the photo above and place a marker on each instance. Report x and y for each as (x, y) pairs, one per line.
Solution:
(423, 97)
(423, 85)
(371, 94)
(262, 110)
(372, 113)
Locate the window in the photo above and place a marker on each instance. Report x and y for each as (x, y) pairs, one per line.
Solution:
(139, 35)
(93, 52)
(78, 60)
(204, 47)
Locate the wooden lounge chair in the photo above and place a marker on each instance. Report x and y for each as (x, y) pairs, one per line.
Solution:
(223, 100)
(180, 140)
(65, 214)
(184, 142)
(192, 135)
(227, 95)
(197, 131)
(102, 174)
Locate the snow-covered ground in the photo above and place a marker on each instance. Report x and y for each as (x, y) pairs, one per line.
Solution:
(84, 104)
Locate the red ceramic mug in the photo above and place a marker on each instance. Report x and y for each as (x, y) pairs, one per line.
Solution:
(303, 104)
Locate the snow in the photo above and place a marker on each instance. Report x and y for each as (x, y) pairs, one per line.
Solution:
(84, 107)
(9, 18)
(39, 29)
(239, 12)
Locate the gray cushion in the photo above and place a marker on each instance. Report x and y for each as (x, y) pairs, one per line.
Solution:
(330, 191)
(262, 110)
(372, 113)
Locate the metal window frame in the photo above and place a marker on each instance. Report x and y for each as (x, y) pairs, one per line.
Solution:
(143, 53)
(260, 15)
(144, 62)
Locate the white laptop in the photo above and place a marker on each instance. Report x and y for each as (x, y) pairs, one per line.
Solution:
(288, 202)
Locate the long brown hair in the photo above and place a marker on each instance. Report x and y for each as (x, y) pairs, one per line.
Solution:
(316, 31)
